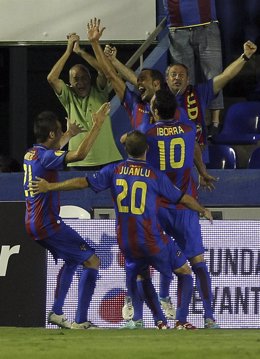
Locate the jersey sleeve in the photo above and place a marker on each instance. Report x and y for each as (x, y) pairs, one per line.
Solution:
(53, 160)
(99, 181)
(129, 102)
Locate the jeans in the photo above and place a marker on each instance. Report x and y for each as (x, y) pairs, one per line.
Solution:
(199, 48)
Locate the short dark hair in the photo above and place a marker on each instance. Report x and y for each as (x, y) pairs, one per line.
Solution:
(165, 103)
(156, 75)
(44, 123)
(135, 143)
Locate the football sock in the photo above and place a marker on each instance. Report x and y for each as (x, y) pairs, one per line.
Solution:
(203, 283)
(64, 280)
(87, 284)
(151, 299)
(132, 285)
(184, 294)
(164, 286)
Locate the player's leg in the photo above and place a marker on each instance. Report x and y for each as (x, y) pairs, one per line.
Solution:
(181, 268)
(64, 280)
(86, 287)
(134, 313)
(73, 249)
(203, 283)
(164, 297)
(150, 297)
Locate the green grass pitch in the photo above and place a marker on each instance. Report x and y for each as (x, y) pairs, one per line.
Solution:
(40, 343)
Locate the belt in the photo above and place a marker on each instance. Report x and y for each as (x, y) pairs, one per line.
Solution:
(191, 27)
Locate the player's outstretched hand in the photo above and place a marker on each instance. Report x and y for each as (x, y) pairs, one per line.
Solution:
(40, 185)
(207, 182)
(93, 29)
(74, 128)
(102, 112)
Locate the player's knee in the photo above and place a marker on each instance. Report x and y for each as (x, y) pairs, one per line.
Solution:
(92, 262)
(197, 259)
(144, 274)
(183, 270)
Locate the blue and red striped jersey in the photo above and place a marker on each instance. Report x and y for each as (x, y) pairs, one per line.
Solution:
(137, 190)
(189, 12)
(138, 111)
(171, 150)
(42, 210)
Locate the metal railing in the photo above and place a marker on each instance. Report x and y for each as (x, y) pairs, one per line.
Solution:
(140, 51)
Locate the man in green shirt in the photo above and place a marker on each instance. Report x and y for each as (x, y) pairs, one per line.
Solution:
(81, 99)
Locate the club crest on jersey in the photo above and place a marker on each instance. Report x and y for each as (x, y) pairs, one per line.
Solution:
(83, 247)
(58, 153)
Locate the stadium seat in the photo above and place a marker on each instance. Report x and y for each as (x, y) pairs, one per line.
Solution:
(254, 160)
(240, 124)
(221, 157)
(74, 212)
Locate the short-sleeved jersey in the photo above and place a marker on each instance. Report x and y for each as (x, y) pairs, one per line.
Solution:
(171, 149)
(137, 190)
(42, 210)
(182, 13)
(138, 111)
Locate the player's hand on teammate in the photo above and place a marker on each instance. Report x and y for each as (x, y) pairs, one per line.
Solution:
(39, 185)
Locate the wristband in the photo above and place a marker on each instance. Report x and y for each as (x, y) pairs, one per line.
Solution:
(245, 58)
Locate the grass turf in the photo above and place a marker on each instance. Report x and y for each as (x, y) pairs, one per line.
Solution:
(39, 343)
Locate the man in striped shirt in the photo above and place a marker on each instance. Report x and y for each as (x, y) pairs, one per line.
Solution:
(43, 223)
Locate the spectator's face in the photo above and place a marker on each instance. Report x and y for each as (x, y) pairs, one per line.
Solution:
(177, 79)
(146, 85)
(80, 82)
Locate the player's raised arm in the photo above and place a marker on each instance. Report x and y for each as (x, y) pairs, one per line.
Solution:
(125, 72)
(94, 32)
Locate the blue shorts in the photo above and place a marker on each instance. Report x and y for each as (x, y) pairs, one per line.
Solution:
(183, 225)
(167, 261)
(68, 245)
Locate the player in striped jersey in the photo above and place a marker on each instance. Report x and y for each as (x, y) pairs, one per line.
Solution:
(138, 189)
(171, 149)
(42, 220)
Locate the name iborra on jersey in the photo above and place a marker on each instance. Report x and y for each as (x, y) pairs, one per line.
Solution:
(169, 131)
